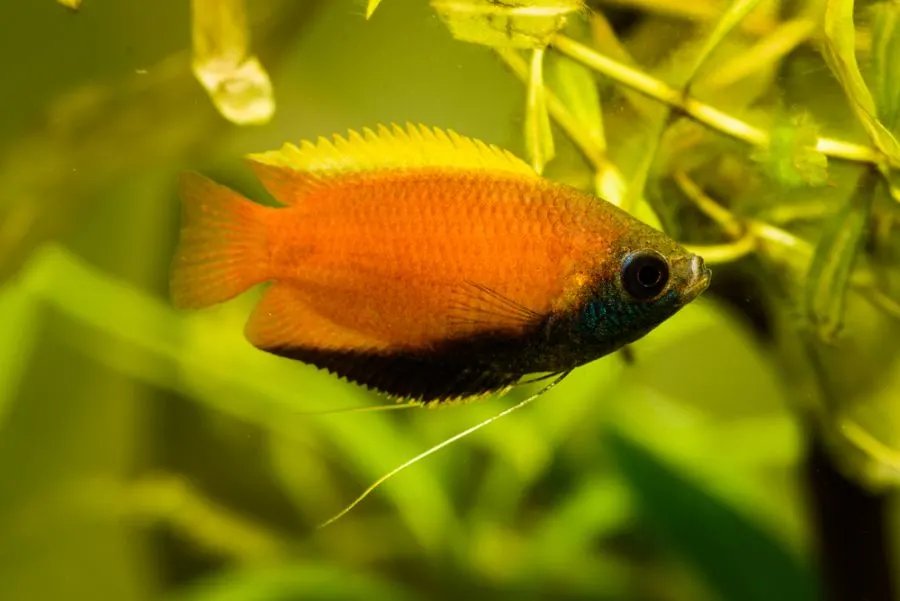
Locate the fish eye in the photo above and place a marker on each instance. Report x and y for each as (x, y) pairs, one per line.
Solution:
(644, 275)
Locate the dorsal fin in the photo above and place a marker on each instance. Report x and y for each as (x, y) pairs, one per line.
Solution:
(292, 171)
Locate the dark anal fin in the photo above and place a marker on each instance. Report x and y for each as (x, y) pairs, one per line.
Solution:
(463, 367)
(419, 377)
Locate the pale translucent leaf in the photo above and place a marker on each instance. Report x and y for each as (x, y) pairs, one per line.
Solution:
(517, 23)
(370, 9)
(236, 81)
(538, 136)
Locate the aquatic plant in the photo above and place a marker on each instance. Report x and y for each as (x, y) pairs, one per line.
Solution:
(748, 453)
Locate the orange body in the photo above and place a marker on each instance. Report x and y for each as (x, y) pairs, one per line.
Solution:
(381, 259)
(425, 264)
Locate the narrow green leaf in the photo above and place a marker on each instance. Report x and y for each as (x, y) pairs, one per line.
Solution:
(19, 309)
(884, 20)
(832, 263)
(635, 200)
(538, 135)
(608, 180)
(512, 24)
(576, 87)
(172, 500)
(292, 581)
(563, 544)
(219, 369)
(737, 558)
(370, 9)
(840, 55)
(766, 54)
(732, 17)
(595, 510)
(303, 476)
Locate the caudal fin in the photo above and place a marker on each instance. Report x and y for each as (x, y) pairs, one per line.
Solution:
(223, 247)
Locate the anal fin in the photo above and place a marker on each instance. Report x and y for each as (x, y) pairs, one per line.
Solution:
(284, 318)
(424, 377)
(285, 323)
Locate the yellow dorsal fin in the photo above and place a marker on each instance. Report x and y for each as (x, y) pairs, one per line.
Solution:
(293, 171)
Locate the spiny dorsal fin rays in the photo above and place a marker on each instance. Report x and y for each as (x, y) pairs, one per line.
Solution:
(289, 172)
(415, 146)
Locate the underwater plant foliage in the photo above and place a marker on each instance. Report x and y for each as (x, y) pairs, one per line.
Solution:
(147, 453)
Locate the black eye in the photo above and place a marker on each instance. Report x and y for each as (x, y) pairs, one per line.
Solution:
(644, 275)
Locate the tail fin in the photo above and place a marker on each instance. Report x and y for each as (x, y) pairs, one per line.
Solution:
(223, 248)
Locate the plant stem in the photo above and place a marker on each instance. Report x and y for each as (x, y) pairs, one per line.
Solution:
(696, 109)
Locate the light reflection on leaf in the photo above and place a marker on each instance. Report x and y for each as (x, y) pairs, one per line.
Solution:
(236, 81)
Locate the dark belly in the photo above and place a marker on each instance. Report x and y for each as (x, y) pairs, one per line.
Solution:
(453, 369)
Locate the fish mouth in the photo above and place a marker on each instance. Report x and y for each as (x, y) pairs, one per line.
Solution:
(700, 276)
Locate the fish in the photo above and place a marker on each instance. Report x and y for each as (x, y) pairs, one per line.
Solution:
(426, 265)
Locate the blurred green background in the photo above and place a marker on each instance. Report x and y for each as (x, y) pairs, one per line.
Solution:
(147, 454)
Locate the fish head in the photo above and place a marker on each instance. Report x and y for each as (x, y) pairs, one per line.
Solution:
(643, 279)
(653, 268)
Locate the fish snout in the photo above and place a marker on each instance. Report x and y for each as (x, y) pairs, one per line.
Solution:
(699, 278)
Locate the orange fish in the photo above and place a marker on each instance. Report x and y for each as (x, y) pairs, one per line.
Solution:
(427, 265)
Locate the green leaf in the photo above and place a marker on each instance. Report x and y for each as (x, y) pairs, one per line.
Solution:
(563, 545)
(832, 263)
(515, 24)
(840, 55)
(538, 135)
(218, 368)
(303, 475)
(635, 200)
(884, 23)
(292, 581)
(732, 16)
(595, 510)
(766, 54)
(577, 89)
(19, 309)
(737, 558)
(791, 158)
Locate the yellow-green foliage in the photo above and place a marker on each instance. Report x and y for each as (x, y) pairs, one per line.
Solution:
(147, 454)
